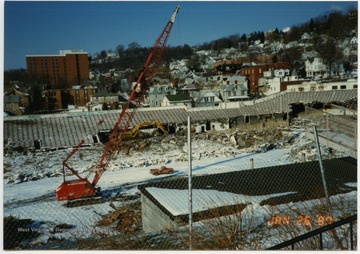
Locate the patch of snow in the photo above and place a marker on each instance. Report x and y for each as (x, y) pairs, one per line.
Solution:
(30, 179)
(202, 199)
(351, 184)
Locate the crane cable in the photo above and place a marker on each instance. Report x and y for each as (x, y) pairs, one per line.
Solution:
(178, 22)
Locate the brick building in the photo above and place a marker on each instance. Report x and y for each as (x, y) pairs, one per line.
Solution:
(76, 96)
(253, 73)
(69, 68)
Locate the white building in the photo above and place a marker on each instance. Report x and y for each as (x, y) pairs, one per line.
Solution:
(156, 94)
(317, 68)
(177, 100)
(317, 86)
(271, 83)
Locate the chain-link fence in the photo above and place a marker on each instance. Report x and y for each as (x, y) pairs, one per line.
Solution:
(250, 190)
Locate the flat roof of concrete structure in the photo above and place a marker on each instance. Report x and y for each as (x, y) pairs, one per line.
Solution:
(283, 184)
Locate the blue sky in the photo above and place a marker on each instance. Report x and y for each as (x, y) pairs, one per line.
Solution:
(41, 28)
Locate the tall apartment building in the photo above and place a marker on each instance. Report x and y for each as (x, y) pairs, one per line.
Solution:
(69, 68)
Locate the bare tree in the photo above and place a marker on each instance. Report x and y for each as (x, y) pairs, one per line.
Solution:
(133, 46)
(120, 48)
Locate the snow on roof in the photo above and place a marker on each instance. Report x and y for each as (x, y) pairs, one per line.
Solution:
(257, 187)
(202, 199)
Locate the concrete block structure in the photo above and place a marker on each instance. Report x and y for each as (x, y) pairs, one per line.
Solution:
(165, 203)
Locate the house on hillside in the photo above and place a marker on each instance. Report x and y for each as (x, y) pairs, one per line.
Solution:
(316, 68)
(24, 95)
(124, 85)
(12, 105)
(227, 68)
(160, 81)
(156, 94)
(106, 98)
(210, 83)
(177, 100)
(253, 73)
(274, 80)
(190, 88)
(234, 79)
(206, 98)
(233, 92)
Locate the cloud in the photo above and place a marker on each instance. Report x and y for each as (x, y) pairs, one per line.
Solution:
(336, 8)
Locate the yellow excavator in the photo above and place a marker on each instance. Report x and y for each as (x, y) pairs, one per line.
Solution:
(134, 132)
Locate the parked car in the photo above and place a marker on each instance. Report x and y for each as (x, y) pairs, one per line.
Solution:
(162, 170)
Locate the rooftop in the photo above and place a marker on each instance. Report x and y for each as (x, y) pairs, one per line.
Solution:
(299, 182)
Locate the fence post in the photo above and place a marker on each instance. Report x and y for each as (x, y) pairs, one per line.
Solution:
(351, 236)
(328, 129)
(321, 242)
(252, 163)
(190, 187)
(355, 139)
(321, 166)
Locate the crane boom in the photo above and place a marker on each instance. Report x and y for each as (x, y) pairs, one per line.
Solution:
(67, 190)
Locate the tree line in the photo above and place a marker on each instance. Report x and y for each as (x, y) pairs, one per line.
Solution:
(134, 56)
(335, 25)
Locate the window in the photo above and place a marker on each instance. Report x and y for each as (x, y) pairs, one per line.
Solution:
(355, 86)
(334, 87)
(343, 87)
(301, 89)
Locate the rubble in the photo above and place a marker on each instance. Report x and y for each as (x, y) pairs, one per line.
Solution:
(22, 166)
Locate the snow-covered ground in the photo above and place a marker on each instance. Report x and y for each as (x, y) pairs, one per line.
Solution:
(30, 180)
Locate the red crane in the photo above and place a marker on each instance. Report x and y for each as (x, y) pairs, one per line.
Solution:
(81, 187)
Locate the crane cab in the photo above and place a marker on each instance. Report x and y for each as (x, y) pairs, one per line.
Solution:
(74, 189)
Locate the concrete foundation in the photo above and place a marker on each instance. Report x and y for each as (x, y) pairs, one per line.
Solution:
(153, 218)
